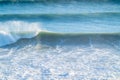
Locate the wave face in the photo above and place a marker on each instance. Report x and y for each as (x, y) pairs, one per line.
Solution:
(59, 40)
(66, 39)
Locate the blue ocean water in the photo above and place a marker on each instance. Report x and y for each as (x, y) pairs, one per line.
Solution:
(59, 39)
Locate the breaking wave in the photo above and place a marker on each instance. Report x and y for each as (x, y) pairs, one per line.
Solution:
(71, 39)
(21, 33)
(12, 31)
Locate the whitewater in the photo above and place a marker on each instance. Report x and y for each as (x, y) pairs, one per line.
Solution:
(59, 40)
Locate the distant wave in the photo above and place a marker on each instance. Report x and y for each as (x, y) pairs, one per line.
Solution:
(56, 1)
(60, 16)
(63, 14)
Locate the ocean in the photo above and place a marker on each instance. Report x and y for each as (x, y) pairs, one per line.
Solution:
(59, 40)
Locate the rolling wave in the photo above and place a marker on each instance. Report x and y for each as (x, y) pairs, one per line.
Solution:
(64, 14)
(14, 30)
(77, 39)
(76, 17)
(8, 37)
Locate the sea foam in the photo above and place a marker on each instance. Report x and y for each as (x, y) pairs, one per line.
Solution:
(11, 31)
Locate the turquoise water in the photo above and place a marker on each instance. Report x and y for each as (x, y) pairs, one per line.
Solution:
(58, 8)
(60, 40)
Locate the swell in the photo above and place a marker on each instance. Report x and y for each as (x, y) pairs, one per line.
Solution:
(56, 1)
(60, 16)
(64, 14)
(71, 39)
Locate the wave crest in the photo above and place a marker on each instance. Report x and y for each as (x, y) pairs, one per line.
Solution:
(11, 31)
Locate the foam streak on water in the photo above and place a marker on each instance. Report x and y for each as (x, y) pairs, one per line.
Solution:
(58, 63)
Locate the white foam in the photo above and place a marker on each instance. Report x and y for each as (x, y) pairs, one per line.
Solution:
(11, 31)
(5, 38)
(61, 63)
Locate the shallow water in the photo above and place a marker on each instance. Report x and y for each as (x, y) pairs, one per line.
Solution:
(60, 62)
